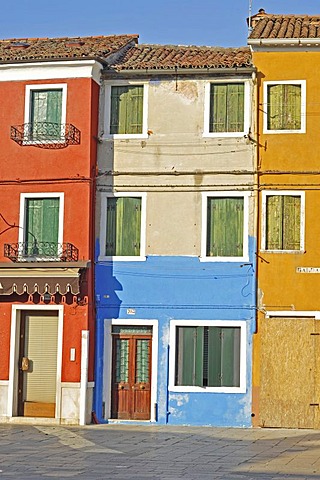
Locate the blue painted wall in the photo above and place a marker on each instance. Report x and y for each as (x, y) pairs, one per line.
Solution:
(171, 288)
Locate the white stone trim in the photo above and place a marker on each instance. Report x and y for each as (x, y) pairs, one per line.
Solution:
(266, 84)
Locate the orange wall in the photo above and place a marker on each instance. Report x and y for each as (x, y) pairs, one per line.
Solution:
(281, 287)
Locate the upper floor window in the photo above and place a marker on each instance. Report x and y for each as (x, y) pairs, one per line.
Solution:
(123, 226)
(41, 231)
(284, 107)
(45, 112)
(225, 226)
(226, 109)
(283, 221)
(127, 113)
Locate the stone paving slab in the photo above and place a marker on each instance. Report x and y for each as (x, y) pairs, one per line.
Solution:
(128, 452)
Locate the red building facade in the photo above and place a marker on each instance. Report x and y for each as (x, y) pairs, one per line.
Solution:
(49, 94)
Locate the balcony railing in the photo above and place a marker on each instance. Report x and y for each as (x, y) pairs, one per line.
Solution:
(45, 135)
(41, 252)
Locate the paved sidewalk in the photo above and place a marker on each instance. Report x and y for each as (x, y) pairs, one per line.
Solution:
(124, 452)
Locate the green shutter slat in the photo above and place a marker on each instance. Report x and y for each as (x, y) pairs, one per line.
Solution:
(185, 357)
(291, 222)
(123, 226)
(42, 221)
(230, 357)
(214, 357)
(126, 111)
(225, 226)
(284, 107)
(198, 359)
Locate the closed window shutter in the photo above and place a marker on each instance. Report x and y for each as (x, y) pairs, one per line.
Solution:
(46, 108)
(284, 107)
(291, 222)
(42, 220)
(226, 107)
(214, 357)
(230, 357)
(283, 222)
(126, 110)
(123, 226)
(186, 351)
(225, 226)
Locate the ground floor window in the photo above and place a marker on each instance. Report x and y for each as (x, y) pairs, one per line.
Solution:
(208, 356)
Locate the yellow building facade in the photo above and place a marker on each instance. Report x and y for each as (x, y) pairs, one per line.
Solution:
(286, 359)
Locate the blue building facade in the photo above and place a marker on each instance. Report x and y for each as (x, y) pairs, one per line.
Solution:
(175, 240)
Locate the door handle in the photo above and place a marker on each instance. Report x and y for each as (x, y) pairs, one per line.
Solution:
(25, 364)
(142, 387)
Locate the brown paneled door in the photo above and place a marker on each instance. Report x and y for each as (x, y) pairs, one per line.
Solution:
(131, 373)
(37, 377)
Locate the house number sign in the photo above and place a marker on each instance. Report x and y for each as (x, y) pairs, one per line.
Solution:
(308, 269)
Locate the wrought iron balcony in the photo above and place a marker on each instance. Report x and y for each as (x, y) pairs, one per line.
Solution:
(41, 252)
(45, 135)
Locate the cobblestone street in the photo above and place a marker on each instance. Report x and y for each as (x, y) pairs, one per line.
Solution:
(157, 452)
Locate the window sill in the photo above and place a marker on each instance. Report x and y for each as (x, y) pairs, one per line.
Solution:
(224, 259)
(186, 389)
(125, 136)
(295, 252)
(122, 259)
(267, 132)
(223, 134)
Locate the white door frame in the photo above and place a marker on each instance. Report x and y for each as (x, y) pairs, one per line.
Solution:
(14, 354)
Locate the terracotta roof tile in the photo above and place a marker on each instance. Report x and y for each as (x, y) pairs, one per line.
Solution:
(159, 57)
(267, 26)
(28, 49)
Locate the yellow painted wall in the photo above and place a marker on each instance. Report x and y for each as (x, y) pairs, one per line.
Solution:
(280, 287)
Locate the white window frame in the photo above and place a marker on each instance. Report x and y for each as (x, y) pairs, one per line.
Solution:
(27, 107)
(25, 196)
(204, 226)
(296, 193)
(103, 227)
(208, 323)
(302, 83)
(207, 108)
(107, 110)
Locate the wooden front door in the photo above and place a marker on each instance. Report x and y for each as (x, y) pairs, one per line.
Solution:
(290, 373)
(131, 375)
(37, 364)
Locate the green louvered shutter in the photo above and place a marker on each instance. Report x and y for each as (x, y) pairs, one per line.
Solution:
(225, 226)
(126, 110)
(284, 107)
(46, 107)
(226, 107)
(189, 361)
(224, 357)
(283, 222)
(123, 226)
(42, 222)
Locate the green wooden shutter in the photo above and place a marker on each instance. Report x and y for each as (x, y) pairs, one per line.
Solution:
(225, 226)
(189, 359)
(46, 107)
(284, 107)
(224, 357)
(274, 222)
(226, 107)
(214, 357)
(230, 356)
(283, 222)
(123, 226)
(126, 110)
(42, 222)
(291, 222)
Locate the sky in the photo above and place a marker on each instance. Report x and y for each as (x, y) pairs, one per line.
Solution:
(179, 22)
